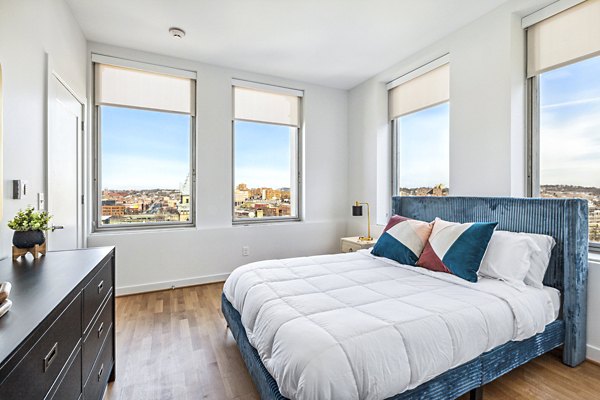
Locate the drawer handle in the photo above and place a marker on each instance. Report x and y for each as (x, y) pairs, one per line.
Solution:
(100, 286)
(100, 372)
(100, 329)
(51, 356)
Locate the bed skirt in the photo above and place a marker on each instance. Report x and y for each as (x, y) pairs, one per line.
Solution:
(447, 386)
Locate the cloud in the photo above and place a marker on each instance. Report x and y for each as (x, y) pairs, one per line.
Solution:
(570, 148)
(591, 100)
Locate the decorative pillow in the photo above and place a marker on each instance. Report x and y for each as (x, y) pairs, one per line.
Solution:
(508, 258)
(540, 259)
(402, 240)
(457, 248)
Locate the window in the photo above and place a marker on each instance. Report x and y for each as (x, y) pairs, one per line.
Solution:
(266, 136)
(144, 144)
(419, 110)
(564, 83)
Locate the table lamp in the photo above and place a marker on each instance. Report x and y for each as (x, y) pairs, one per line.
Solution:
(357, 211)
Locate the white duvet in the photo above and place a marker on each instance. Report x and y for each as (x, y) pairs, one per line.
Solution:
(356, 326)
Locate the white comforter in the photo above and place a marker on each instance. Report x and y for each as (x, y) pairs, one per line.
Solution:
(356, 326)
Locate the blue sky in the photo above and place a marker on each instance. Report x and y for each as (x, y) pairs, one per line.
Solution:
(262, 154)
(423, 151)
(147, 149)
(144, 149)
(570, 124)
(569, 132)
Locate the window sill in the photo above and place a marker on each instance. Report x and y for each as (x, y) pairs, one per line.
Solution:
(140, 229)
(594, 256)
(267, 222)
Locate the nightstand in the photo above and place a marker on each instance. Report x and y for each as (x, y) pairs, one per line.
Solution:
(350, 244)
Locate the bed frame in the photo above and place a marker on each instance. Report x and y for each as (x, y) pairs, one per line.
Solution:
(564, 219)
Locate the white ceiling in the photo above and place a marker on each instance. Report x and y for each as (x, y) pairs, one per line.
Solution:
(335, 43)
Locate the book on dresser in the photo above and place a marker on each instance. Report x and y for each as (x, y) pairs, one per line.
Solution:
(58, 339)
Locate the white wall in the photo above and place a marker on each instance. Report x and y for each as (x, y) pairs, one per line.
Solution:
(487, 129)
(154, 259)
(30, 30)
(593, 327)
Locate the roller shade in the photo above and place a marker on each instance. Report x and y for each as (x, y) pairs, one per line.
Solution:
(569, 36)
(264, 106)
(424, 91)
(127, 87)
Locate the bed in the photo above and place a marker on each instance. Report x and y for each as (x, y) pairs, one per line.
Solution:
(543, 319)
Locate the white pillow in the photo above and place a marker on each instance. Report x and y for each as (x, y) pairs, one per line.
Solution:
(508, 258)
(540, 259)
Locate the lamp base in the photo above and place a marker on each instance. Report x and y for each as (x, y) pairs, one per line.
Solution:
(365, 238)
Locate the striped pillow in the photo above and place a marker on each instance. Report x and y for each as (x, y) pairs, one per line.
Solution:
(402, 240)
(457, 248)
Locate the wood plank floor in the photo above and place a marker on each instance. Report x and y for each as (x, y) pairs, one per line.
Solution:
(174, 345)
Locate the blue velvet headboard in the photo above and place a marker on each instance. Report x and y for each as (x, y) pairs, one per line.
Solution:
(566, 220)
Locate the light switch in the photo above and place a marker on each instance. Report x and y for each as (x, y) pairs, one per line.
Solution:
(19, 188)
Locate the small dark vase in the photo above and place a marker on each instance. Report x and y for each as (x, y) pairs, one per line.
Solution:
(27, 239)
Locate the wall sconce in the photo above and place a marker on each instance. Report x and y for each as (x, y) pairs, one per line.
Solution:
(357, 211)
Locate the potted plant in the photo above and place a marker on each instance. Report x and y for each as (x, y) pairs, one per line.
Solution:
(29, 227)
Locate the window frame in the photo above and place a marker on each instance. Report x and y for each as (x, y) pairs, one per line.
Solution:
(97, 158)
(533, 142)
(298, 155)
(395, 161)
(533, 136)
(394, 133)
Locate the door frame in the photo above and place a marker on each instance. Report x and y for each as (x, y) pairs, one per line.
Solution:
(81, 145)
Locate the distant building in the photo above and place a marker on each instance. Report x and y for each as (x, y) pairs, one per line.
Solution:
(261, 202)
(183, 207)
(113, 210)
(438, 190)
(240, 196)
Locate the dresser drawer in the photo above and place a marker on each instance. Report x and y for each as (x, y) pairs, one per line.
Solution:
(95, 337)
(95, 292)
(94, 387)
(47, 357)
(70, 386)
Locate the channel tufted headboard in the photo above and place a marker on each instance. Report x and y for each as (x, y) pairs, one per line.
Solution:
(566, 220)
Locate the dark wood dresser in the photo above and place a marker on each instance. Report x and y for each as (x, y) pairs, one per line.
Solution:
(58, 339)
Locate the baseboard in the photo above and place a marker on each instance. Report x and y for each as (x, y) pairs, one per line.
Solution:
(593, 353)
(155, 286)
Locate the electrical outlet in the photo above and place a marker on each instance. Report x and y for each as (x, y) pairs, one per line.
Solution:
(245, 250)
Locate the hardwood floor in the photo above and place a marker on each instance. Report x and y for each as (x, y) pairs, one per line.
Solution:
(174, 345)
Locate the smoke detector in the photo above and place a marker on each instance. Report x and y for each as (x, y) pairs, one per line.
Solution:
(177, 33)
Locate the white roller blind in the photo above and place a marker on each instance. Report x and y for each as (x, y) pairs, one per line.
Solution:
(127, 87)
(424, 91)
(566, 37)
(263, 106)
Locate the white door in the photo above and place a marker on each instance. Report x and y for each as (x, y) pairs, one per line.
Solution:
(64, 185)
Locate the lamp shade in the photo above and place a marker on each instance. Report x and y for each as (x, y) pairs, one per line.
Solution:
(357, 211)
